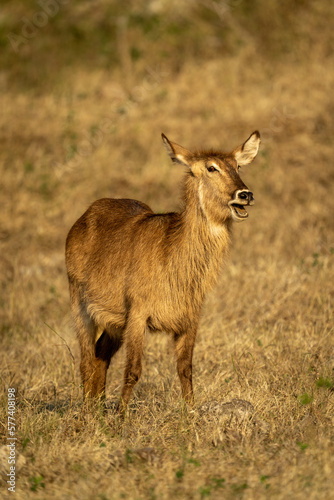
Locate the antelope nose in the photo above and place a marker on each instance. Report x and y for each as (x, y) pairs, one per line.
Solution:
(246, 196)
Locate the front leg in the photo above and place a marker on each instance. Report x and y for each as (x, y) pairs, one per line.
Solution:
(133, 339)
(184, 347)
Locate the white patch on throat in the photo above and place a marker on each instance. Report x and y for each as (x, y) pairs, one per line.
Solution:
(217, 229)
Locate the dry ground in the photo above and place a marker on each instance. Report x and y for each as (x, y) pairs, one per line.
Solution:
(83, 104)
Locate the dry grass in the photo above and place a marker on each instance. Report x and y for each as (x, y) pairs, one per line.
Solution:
(73, 130)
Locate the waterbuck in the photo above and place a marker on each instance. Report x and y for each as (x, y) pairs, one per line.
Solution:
(131, 270)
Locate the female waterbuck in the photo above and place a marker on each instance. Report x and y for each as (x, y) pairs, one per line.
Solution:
(131, 270)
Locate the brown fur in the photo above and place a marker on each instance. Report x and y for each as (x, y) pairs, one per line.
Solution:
(131, 270)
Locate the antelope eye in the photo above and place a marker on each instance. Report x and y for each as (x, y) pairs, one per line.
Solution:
(211, 168)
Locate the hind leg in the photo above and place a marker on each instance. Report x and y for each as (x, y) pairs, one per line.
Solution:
(95, 361)
(95, 355)
(105, 348)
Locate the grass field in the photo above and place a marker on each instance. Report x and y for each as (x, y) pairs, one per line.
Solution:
(86, 90)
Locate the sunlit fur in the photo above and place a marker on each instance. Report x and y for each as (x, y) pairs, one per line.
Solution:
(131, 270)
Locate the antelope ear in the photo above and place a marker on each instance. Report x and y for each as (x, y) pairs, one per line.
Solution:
(246, 153)
(177, 153)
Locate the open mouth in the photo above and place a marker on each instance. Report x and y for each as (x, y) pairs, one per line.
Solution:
(239, 212)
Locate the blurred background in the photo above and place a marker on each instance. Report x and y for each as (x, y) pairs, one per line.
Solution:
(86, 88)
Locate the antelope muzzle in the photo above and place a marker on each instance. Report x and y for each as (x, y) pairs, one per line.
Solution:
(241, 199)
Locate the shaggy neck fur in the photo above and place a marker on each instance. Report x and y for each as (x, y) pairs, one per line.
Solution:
(196, 247)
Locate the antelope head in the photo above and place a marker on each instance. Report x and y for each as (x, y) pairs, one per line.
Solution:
(222, 195)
